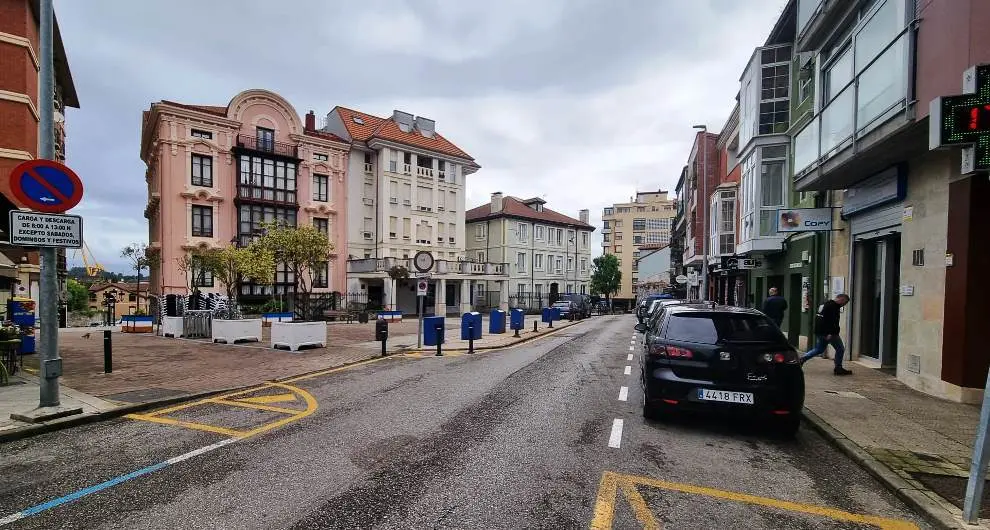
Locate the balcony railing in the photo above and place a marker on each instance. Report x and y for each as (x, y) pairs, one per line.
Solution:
(426, 172)
(470, 268)
(265, 145)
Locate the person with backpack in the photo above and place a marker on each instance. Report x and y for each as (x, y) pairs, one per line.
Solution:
(827, 333)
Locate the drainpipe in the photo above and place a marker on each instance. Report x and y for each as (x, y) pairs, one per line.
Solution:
(378, 199)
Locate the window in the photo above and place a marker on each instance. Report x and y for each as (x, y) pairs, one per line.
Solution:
(570, 264)
(606, 237)
(538, 261)
(393, 164)
(131, 297)
(197, 133)
(639, 224)
(559, 264)
(321, 276)
(637, 239)
(266, 139)
(393, 227)
(406, 228)
(523, 230)
(608, 211)
(605, 223)
(583, 288)
(202, 171)
(441, 201)
(320, 157)
(201, 277)
(202, 221)
(775, 83)
(521, 262)
(618, 236)
(393, 192)
(538, 290)
(618, 249)
(480, 231)
(539, 232)
(584, 264)
(560, 237)
(838, 75)
(774, 117)
(451, 201)
(322, 225)
(424, 197)
(481, 256)
(584, 239)
(452, 234)
(321, 184)
(252, 217)
(882, 85)
(521, 289)
(266, 179)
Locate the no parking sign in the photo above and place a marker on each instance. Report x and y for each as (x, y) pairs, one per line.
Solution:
(421, 287)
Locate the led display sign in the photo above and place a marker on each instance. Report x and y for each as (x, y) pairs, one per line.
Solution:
(965, 119)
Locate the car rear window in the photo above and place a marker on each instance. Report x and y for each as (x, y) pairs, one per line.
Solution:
(711, 328)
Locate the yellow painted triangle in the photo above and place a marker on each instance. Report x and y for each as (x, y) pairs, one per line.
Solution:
(277, 398)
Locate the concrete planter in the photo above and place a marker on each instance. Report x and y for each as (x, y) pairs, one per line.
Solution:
(231, 331)
(172, 327)
(293, 335)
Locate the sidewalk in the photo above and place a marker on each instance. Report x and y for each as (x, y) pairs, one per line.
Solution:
(150, 370)
(919, 445)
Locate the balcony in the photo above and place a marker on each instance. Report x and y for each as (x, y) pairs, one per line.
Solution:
(262, 145)
(368, 170)
(424, 172)
(442, 267)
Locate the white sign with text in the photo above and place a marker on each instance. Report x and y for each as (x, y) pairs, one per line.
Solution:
(804, 220)
(33, 229)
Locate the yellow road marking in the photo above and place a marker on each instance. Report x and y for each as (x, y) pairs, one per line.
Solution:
(612, 482)
(264, 400)
(333, 370)
(255, 406)
(187, 424)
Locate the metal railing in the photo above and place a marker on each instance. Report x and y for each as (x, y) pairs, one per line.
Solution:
(267, 146)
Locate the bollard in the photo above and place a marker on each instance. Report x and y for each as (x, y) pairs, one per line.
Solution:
(107, 352)
(439, 341)
(471, 340)
(534, 326)
(381, 333)
(517, 330)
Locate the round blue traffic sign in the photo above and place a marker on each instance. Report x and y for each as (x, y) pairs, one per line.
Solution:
(46, 186)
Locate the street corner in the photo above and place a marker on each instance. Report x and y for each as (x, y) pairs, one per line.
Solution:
(633, 501)
(238, 414)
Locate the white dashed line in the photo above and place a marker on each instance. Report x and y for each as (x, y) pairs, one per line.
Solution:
(630, 348)
(628, 370)
(623, 393)
(615, 439)
(629, 357)
(632, 342)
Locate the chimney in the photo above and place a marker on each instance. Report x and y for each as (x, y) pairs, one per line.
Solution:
(426, 126)
(403, 119)
(497, 202)
(583, 216)
(311, 121)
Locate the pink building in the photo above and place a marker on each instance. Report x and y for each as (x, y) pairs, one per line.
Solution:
(215, 174)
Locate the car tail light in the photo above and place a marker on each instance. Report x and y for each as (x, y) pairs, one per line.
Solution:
(783, 357)
(671, 352)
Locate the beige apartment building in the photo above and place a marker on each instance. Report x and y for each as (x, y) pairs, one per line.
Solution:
(647, 220)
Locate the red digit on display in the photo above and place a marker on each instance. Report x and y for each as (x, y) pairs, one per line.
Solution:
(974, 118)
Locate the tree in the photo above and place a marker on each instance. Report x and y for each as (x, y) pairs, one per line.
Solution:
(303, 250)
(78, 295)
(231, 264)
(606, 278)
(140, 258)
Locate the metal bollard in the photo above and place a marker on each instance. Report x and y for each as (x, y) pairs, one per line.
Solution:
(517, 331)
(381, 334)
(107, 352)
(471, 339)
(439, 341)
(534, 326)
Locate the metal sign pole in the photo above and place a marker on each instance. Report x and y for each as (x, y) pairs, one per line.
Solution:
(419, 336)
(48, 302)
(981, 456)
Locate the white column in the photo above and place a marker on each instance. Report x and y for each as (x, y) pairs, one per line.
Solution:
(388, 292)
(441, 298)
(503, 299)
(465, 296)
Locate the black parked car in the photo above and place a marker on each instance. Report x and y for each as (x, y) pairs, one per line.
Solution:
(703, 357)
(643, 307)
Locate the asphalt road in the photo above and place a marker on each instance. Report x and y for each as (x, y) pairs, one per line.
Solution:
(520, 438)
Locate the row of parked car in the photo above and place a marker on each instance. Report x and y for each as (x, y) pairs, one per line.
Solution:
(574, 306)
(699, 356)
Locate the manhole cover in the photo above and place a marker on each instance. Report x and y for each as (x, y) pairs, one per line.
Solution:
(952, 489)
(146, 394)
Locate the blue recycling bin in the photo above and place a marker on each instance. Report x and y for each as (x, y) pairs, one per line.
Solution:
(471, 326)
(433, 328)
(551, 314)
(496, 321)
(517, 319)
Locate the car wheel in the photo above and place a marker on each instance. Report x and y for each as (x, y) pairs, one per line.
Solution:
(787, 427)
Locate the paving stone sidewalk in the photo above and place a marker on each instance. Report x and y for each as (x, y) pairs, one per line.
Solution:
(922, 443)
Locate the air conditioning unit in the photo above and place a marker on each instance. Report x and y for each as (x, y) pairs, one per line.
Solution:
(393, 200)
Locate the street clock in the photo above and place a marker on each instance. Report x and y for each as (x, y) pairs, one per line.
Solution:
(423, 261)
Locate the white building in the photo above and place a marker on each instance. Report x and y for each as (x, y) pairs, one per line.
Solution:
(405, 194)
(547, 253)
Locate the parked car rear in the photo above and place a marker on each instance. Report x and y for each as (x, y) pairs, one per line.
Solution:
(701, 357)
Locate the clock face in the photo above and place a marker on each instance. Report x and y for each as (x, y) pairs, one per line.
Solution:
(423, 261)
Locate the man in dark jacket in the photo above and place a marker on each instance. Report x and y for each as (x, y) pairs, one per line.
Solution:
(827, 332)
(774, 307)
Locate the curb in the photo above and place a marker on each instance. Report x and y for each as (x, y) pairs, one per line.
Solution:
(929, 509)
(116, 412)
(499, 348)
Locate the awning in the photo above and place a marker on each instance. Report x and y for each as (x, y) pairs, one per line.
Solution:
(7, 267)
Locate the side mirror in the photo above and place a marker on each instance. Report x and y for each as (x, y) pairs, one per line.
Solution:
(640, 328)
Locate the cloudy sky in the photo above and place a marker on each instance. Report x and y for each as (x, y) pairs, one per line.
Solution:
(581, 102)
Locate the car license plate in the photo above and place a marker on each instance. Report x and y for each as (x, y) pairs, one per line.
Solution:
(725, 396)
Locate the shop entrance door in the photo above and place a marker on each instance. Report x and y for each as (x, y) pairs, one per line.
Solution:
(878, 286)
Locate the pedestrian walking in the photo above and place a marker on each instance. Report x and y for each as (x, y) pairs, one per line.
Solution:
(774, 307)
(827, 333)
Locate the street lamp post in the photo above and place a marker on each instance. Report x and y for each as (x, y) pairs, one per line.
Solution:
(704, 215)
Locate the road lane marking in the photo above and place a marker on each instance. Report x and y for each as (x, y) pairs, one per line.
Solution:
(38, 508)
(631, 348)
(268, 400)
(628, 370)
(629, 357)
(612, 483)
(615, 438)
(623, 393)
(632, 342)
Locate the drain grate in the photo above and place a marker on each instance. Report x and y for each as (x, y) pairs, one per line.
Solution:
(145, 395)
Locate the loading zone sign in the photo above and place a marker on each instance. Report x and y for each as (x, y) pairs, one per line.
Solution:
(33, 229)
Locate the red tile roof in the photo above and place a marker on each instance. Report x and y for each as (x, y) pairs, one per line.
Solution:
(324, 135)
(514, 207)
(387, 129)
(209, 109)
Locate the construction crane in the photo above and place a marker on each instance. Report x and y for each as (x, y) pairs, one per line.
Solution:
(93, 267)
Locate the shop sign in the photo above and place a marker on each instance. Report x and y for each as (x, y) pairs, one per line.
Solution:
(731, 264)
(804, 220)
(964, 120)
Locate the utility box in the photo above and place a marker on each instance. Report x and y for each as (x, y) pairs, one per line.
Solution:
(381, 330)
(496, 321)
(471, 326)
(517, 319)
(551, 314)
(433, 330)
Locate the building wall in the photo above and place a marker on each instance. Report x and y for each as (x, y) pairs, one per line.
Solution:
(625, 248)
(840, 261)
(19, 85)
(952, 37)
